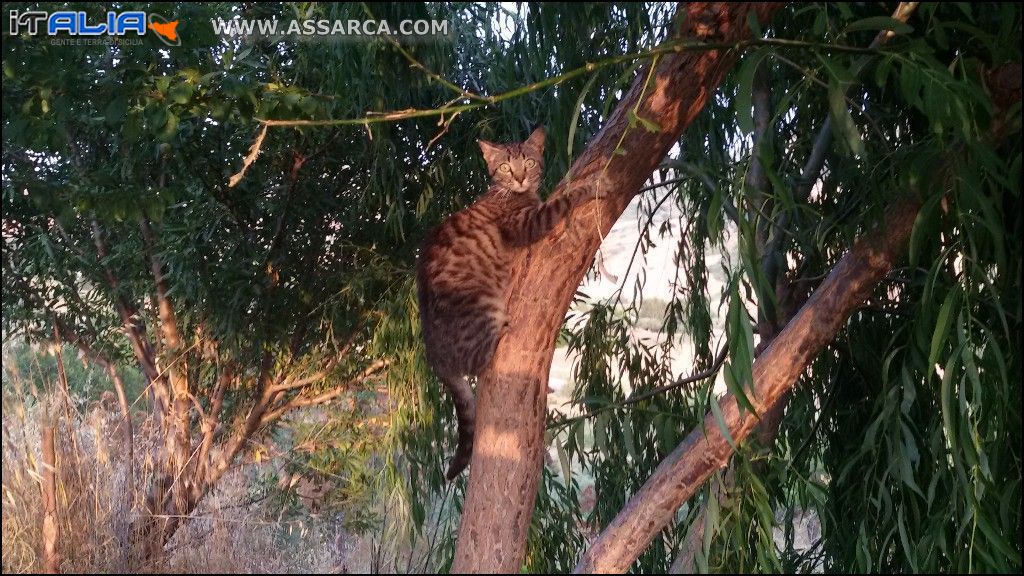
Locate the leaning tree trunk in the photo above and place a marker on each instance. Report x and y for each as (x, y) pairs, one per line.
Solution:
(706, 449)
(771, 253)
(507, 456)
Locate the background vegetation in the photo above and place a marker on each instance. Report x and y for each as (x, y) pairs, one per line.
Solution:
(119, 224)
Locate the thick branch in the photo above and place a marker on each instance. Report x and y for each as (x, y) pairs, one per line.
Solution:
(168, 321)
(705, 450)
(225, 375)
(769, 425)
(756, 181)
(48, 487)
(757, 188)
(133, 327)
(252, 420)
(178, 442)
(686, 560)
(773, 260)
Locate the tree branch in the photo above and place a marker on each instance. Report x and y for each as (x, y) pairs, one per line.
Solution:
(133, 325)
(300, 401)
(770, 421)
(209, 427)
(178, 443)
(292, 384)
(706, 449)
(508, 450)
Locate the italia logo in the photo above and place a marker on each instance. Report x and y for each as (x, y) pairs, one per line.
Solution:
(71, 23)
(165, 31)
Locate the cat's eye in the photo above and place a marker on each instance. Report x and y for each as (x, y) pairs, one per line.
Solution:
(530, 163)
(504, 167)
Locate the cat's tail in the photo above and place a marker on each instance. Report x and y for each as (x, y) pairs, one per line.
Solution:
(465, 413)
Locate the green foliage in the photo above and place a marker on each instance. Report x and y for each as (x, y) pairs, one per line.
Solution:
(86, 381)
(904, 436)
(329, 455)
(556, 538)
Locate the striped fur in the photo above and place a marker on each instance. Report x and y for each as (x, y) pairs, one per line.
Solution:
(463, 268)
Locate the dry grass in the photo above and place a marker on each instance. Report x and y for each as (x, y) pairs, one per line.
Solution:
(229, 535)
(94, 501)
(98, 500)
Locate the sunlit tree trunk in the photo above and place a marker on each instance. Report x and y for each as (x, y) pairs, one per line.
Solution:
(706, 449)
(505, 470)
(48, 486)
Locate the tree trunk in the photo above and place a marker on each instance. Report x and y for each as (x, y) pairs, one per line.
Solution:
(507, 455)
(706, 450)
(51, 530)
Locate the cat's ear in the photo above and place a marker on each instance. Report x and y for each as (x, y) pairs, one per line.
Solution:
(536, 141)
(492, 152)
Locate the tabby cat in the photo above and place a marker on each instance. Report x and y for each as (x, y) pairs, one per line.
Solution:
(463, 268)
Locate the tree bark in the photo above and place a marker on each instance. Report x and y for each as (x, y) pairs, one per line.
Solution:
(706, 450)
(507, 455)
(773, 266)
(184, 489)
(51, 530)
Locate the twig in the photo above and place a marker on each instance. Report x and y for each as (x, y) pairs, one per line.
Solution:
(254, 151)
(462, 92)
(634, 399)
(301, 401)
(665, 48)
(482, 101)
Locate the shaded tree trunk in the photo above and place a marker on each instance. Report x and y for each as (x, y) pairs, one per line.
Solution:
(507, 457)
(773, 265)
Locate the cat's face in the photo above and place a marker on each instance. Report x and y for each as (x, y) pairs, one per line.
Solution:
(516, 167)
